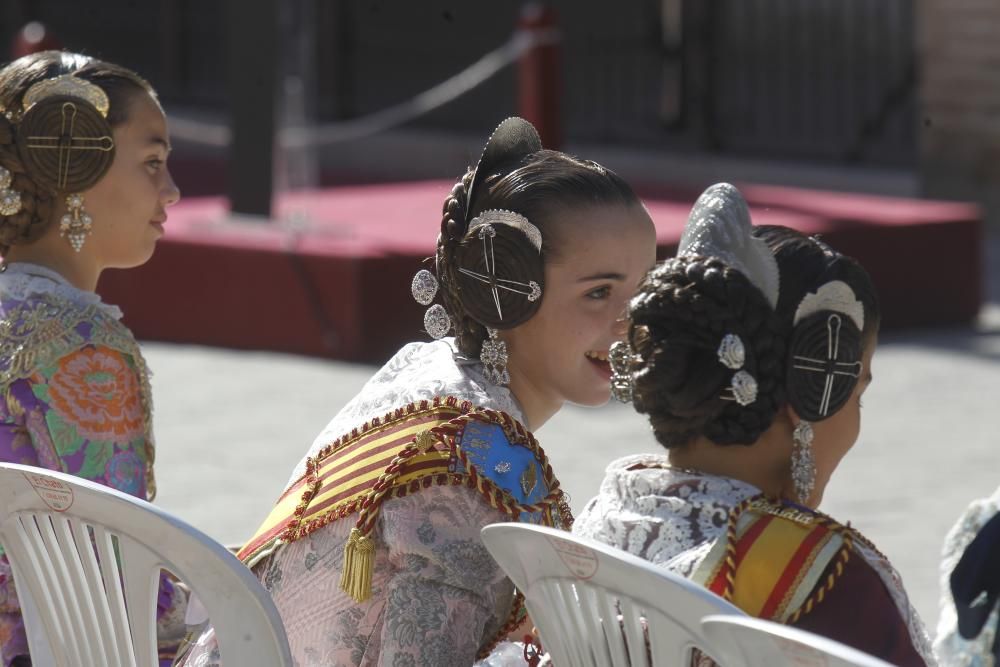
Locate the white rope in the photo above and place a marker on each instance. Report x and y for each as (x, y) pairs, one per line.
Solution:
(522, 41)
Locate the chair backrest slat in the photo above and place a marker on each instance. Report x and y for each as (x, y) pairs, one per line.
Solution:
(646, 615)
(141, 572)
(86, 562)
(607, 615)
(58, 577)
(102, 627)
(590, 599)
(79, 591)
(35, 573)
(111, 576)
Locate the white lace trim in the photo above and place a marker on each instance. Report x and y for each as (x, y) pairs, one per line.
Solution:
(22, 280)
(668, 516)
(672, 517)
(419, 371)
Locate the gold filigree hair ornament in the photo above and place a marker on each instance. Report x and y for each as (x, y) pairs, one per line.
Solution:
(65, 145)
(67, 85)
(63, 136)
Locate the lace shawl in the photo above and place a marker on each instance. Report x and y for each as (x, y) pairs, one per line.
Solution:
(672, 517)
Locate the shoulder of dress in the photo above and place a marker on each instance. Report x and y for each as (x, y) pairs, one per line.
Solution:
(777, 560)
(39, 330)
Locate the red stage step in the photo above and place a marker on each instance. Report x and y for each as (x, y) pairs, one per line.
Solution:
(337, 284)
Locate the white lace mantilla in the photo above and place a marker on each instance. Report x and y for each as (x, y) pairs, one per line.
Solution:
(419, 371)
(22, 280)
(672, 517)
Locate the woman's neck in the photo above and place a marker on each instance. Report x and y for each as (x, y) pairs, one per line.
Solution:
(537, 406)
(78, 269)
(765, 464)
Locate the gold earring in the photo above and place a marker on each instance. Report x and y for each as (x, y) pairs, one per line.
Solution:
(76, 223)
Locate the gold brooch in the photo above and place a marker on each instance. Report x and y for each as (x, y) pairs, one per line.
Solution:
(529, 479)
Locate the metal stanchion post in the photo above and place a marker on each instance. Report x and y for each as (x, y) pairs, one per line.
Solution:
(539, 77)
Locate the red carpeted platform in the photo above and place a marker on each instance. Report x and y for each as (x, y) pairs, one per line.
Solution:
(336, 282)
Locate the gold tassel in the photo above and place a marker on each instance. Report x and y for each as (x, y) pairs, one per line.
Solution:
(359, 562)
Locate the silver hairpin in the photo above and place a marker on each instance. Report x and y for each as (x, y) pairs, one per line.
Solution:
(744, 388)
(732, 354)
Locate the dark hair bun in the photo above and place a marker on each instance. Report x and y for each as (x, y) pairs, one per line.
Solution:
(500, 275)
(680, 315)
(824, 364)
(65, 144)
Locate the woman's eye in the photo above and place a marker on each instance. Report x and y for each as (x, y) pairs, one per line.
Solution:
(599, 293)
(155, 163)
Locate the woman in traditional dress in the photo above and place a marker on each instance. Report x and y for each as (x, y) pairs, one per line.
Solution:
(750, 352)
(75, 390)
(373, 554)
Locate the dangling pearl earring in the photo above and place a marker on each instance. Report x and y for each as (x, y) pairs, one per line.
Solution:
(75, 225)
(803, 463)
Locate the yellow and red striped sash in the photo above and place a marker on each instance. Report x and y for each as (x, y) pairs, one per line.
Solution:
(771, 562)
(412, 448)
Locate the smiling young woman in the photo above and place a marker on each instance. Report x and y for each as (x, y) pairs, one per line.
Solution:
(75, 397)
(373, 553)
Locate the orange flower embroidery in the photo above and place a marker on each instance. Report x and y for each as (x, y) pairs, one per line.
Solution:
(97, 392)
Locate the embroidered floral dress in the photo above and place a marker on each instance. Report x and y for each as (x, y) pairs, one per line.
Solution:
(75, 398)
(437, 595)
(678, 519)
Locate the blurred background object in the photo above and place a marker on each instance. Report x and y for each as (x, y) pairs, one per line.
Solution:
(315, 139)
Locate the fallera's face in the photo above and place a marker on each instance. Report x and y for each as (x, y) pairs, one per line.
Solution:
(561, 352)
(835, 436)
(129, 204)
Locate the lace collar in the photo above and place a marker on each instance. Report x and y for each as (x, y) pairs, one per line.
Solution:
(23, 280)
(672, 516)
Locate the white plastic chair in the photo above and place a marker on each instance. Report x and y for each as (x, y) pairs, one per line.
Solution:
(86, 562)
(754, 642)
(575, 588)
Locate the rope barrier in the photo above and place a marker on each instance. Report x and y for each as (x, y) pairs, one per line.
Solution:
(219, 135)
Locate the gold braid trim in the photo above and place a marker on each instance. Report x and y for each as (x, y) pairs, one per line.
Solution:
(772, 506)
(820, 593)
(39, 331)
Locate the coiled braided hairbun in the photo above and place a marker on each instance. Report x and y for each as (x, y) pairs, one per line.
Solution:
(37, 202)
(678, 318)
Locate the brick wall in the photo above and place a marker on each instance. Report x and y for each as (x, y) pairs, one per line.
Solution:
(959, 55)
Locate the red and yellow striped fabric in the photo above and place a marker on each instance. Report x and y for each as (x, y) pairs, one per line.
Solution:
(771, 564)
(337, 480)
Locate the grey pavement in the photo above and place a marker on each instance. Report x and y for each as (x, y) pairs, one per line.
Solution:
(231, 425)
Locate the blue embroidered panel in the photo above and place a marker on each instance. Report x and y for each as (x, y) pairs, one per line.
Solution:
(511, 467)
